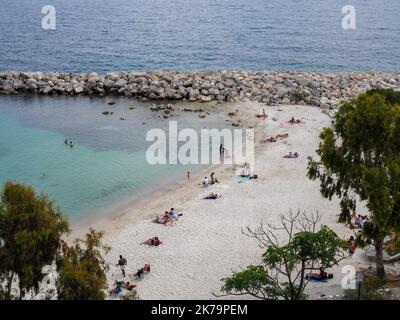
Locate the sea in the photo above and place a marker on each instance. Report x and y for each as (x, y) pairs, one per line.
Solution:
(187, 35)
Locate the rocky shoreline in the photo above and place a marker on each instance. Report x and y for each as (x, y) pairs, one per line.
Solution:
(320, 89)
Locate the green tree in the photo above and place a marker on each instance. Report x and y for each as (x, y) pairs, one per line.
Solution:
(82, 270)
(360, 159)
(391, 96)
(285, 264)
(30, 232)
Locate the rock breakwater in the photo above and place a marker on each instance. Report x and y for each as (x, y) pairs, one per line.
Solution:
(325, 90)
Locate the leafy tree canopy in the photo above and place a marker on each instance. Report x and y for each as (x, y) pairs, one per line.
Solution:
(360, 159)
(30, 232)
(82, 269)
(285, 264)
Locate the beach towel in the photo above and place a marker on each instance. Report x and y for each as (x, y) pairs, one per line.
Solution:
(241, 179)
(312, 279)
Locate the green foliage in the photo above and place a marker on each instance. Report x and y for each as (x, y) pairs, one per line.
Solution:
(283, 269)
(320, 247)
(391, 96)
(298, 95)
(30, 232)
(255, 281)
(368, 290)
(360, 156)
(82, 271)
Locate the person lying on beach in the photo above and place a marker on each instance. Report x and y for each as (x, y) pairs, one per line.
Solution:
(142, 271)
(153, 242)
(212, 196)
(294, 121)
(254, 176)
(120, 285)
(321, 276)
(262, 115)
(291, 155)
(159, 220)
(167, 217)
(129, 286)
(282, 136)
(272, 139)
(116, 290)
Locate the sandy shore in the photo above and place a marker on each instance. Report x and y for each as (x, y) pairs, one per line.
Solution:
(207, 244)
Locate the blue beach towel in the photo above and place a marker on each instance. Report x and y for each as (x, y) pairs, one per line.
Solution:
(242, 179)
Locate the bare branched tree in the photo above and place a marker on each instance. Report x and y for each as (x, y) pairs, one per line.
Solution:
(294, 248)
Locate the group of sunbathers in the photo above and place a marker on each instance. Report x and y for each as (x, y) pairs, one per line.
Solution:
(321, 276)
(290, 155)
(119, 286)
(211, 181)
(168, 217)
(294, 121)
(357, 222)
(212, 196)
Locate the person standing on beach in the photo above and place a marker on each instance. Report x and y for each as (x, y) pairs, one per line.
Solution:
(221, 152)
(122, 264)
(188, 175)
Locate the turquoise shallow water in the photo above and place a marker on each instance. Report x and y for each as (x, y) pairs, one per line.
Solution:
(107, 162)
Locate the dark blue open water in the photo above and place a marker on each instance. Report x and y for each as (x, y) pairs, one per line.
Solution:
(111, 35)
